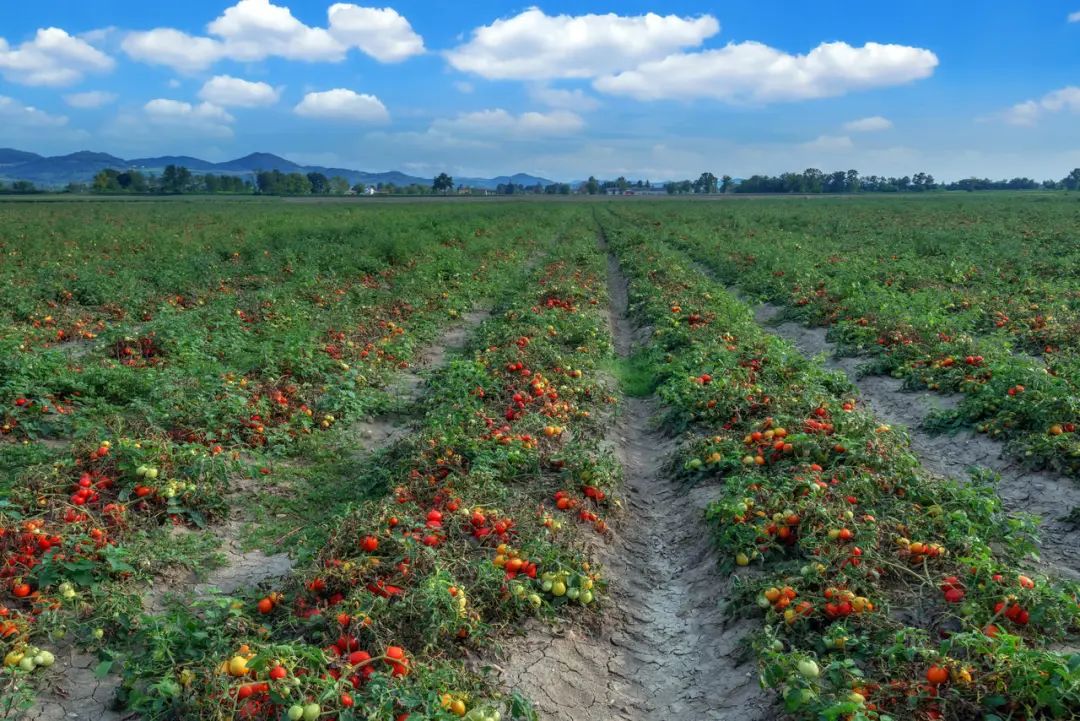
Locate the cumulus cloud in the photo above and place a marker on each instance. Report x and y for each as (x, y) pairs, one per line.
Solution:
(52, 58)
(343, 104)
(230, 92)
(1029, 112)
(204, 118)
(535, 46)
(498, 122)
(14, 114)
(1074, 17)
(754, 72)
(174, 49)
(90, 99)
(830, 143)
(253, 30)
(566, 99)
(872, 124)
(380, 32)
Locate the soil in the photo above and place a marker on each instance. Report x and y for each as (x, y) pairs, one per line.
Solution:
(666, 648)
(1042, 494)
(76, 693)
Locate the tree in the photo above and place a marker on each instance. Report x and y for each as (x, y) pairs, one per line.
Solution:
(1072, 180)
(298, 184)
(320, 184)
(442, 184)
(813, 180)
(339, 185)
(175, 179)
(852, 182)
(707, 183)
(359, 188)
(106, 181)
(621, 184)
(725, 184)
(592, 186)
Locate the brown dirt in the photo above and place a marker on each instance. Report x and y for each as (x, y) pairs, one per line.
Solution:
(75, 693)
(72, 691)
(665, 648)
(1041, 494)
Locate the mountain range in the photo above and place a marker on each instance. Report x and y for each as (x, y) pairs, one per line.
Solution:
(81, 167)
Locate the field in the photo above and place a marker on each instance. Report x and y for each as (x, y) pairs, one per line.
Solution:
(541, 460)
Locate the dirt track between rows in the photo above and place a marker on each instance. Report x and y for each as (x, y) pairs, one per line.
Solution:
(665, 648)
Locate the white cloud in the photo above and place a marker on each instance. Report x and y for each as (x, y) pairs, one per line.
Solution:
(380, 32)
(52, 58)
(754, 72)
(1074, 17)
(174, 49)
(829, 143)
(872, 124)
(15, 114)
(342, 104)
(1029, 112)
(565, 99)
(229, 92)
(498, 122)
(535, 46)
(90, 99)
(203, 119)
(256, 29)
(253, 30)
(464, 87)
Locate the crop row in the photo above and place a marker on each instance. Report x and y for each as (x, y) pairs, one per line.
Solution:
(882, 591)
(977, 299)
(487, 503)
(84, 517)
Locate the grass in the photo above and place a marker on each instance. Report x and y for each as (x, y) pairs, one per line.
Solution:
(634, 374)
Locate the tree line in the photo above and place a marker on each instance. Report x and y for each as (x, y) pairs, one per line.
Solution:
(813, 181)
(176, 180)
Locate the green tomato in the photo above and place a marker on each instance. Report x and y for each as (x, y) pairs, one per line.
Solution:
(586, 597)
(312, 711)
(296, 712)
(808, 668)
(44, 659)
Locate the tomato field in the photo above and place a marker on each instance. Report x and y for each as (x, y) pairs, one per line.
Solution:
(263, 460)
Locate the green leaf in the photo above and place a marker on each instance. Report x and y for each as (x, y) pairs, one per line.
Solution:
(103, 668)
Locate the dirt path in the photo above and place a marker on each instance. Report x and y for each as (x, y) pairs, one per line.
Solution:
(665, 650)
(75, 693)
(1045, 495)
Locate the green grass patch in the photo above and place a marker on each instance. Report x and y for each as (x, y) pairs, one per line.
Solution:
(635, 374)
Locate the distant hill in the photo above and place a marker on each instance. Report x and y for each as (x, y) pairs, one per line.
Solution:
(10, 156)
(491, 183)
(81, 167)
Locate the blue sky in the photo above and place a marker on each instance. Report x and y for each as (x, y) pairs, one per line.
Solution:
(562, 89)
